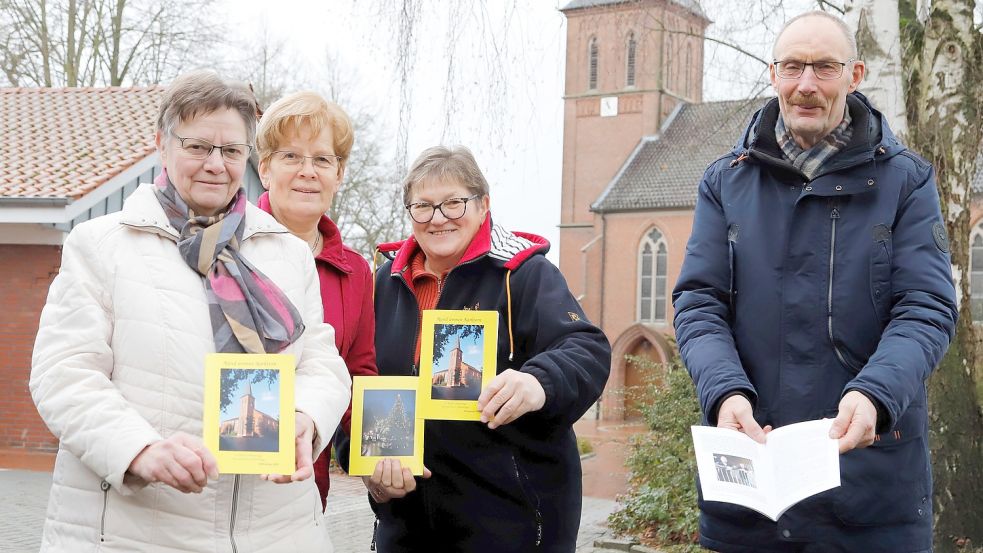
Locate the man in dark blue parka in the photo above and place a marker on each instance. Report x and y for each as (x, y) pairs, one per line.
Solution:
(816, 284)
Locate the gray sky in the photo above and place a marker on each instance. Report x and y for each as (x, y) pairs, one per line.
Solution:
(503, 98)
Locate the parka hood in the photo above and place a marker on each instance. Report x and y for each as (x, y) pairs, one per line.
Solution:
(871, 131)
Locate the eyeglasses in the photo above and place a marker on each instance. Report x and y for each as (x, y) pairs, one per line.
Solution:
(823, 70)
(197, 148)
(293, 159)
(451, 209)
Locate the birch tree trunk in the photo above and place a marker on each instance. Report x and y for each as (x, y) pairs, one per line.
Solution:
(943, 60)
(876, 23)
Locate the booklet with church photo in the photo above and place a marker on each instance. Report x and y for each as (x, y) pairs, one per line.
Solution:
(385, 423)
(457, 360)
(797, 461)
(248, 420)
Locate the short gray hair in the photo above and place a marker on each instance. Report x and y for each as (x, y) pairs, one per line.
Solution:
(439, 163)
(201, 92)
(851, 39)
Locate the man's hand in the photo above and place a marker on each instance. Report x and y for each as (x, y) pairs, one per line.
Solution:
(509, 396)
(855, 422)
(181, 461)
(736, 413)
(304, 454)
(391, 480)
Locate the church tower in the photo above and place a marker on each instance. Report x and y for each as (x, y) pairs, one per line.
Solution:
(247, 412)
(629, 63)
(454, 372)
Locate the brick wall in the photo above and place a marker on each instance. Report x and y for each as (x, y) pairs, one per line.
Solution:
(25, 274)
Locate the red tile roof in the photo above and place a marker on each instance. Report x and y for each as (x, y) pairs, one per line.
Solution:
(66, 142)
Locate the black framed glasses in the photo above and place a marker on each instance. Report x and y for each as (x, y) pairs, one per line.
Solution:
(197, 148)
(451, 208)
(293, 159)
(823, 70)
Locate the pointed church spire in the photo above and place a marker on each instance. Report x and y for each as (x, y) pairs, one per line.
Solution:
(458, 346)
(249, 389)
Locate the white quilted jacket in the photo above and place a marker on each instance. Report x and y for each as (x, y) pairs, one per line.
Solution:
(118, 364)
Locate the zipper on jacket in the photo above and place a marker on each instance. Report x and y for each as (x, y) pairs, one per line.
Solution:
(834, 216)
(539, 516)
(375, 529)
(232, 514)
(104, 486)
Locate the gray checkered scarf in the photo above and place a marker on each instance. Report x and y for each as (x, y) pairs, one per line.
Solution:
(811, 160)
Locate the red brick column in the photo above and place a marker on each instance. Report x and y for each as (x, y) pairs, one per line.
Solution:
(25, 274)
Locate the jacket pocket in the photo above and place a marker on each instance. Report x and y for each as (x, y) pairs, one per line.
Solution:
(887, 482)
(104, 486)
(732, 234)
(880, 273)
(531, 497)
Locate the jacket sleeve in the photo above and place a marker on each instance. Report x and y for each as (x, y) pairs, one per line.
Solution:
(72, 367)
(569, 356)
(360, 361)
(923, 312)
(361, 355)
(701, 300)
(323, 387)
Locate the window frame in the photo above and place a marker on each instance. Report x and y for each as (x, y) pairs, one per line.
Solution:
(593, 63)
(658, 285)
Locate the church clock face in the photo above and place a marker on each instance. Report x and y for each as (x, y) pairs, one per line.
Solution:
(609, 106)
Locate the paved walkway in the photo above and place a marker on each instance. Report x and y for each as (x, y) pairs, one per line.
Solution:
(25, 496)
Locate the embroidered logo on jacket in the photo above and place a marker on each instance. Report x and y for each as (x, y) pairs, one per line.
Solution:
(573, 316)
(941, 238)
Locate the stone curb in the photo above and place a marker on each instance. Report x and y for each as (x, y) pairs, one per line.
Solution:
(628, 545)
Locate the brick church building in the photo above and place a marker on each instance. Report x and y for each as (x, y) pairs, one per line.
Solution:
(636, 140)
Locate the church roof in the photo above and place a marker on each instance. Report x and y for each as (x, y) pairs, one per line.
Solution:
(690, 5)
(664, 171)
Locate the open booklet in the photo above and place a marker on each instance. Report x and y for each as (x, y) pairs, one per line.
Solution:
(797, 461)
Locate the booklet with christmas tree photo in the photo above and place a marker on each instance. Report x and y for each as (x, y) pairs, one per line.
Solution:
(385, 423)
(457, 360)
(248, 420)
(795, 462)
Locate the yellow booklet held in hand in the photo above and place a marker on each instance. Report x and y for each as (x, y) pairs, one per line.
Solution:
(457, 360)
(385, 423)
(248, 421)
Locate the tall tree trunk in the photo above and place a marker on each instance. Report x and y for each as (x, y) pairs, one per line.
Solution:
(943, 58)
(876, 25)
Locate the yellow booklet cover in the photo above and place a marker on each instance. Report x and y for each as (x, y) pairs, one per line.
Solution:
(385, 423)
(457, 360)
(248, 420)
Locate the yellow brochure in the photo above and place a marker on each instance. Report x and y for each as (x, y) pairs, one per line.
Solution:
(248, 420)
(457, 360)
(385, 423)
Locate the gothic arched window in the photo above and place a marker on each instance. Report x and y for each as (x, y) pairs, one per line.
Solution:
(652, 278)
(976, 274)
(592, 64)
(630, 60)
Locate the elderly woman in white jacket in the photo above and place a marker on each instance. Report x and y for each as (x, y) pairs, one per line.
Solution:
(187, 268)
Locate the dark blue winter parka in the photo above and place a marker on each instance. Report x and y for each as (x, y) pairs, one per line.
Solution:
(517, 488)
(795, 291)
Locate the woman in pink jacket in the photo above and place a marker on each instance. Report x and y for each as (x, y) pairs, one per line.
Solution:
(303, 144)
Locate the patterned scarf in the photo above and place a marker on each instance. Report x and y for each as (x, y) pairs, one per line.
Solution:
(811, 160)
(249, 313)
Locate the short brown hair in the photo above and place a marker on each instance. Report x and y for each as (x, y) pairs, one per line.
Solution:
(440, 163)
(200, 92)
(304, 109)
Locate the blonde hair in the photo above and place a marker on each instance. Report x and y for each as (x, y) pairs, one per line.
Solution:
(442, 163)
(305, 109)
(201, 92)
